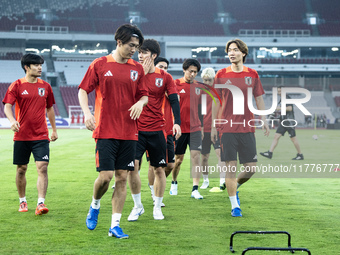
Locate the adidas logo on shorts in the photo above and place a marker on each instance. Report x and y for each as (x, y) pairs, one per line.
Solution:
(131, 164)
(45, 157)
(162, 162)
(255, 157)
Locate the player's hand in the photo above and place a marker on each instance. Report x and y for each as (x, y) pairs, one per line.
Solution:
(147, 63)
(90, 122)
(15, 126)
(213, 134)
(177, 131)
(54, 136)
(266, 129)
(136, 110)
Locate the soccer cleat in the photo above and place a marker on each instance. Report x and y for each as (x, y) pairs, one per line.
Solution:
(92, 218)
(205, 184)
(238, 199)
(135, 213)
(173, 190)
(222, 186)
(23, 207)
(298, 157)
(41, 209)
(267, 154)
(157, 214)
(195, 194)
(236, 212)
(117, 232)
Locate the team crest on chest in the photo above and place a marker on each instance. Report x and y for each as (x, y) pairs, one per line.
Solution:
(198, 91)
(159, 82)
(248, 80)
(133, 75)
(41, 92)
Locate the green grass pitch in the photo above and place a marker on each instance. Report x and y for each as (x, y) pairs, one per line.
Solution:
(308, 208)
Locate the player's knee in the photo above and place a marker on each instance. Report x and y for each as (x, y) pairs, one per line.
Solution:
(21, 169)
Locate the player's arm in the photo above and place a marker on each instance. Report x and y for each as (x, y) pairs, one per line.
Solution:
(173, 98)
(137, 108)
(260, 106)
(90, 121)
(214, 111)
(15, 125)
(289, 108)
(51, 117)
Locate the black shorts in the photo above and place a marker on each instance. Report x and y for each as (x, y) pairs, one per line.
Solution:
(282, 130)
(194, 140)
(206, 143)
(154, 142)
(23, 149)
(243, 144)
(113, 154)
(170, 150)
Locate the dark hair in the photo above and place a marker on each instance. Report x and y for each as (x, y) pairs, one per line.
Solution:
(160, 59)
(152, 46)
(241, 45)
(30, 58)
(126, 31)
(191, 62)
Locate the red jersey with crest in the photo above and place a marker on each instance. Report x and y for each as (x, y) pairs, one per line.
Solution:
(118, 87)
(190, 96)
(157, 83)
(31, 101)
(242, 80)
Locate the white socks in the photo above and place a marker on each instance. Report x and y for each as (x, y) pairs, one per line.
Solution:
(22, 199)
(115, 219)
(95, 203)
(233, 202)
(152, 191)
(205, 177)
(158, 202)
(137, 200)
(41, 200)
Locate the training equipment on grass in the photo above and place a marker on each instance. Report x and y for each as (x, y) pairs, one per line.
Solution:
(292, 250)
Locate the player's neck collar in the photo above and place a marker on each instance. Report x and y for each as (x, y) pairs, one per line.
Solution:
(237, 68)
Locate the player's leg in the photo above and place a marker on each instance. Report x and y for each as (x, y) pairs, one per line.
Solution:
(206, 146)
(180, 148)
(106, 153)
(295, 141)
(195, 154)
(118, 200)
(41, 153)
(157, 153)
(21, 155)
(124, 164)
(170, 149)
(279, 132)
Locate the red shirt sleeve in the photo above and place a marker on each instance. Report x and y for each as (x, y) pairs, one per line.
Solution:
(90, 80)
(50, 98)
(11, 94)
(171, 88)
(258, 89)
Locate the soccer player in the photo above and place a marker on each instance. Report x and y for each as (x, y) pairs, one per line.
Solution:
(151, 129)
(120, 96)
(33, 98)
(237, 135)
(163, 63)
(208, 75)
(192, 126)
(281, 130)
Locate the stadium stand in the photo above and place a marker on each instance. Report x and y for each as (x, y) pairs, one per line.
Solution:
(74, 71)
(70, 96)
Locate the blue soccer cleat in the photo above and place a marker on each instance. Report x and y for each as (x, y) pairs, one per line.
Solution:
(236, 212)
(238, 199)
(92, 218)
(117, 232)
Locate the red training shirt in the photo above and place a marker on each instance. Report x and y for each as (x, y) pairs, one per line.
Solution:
(152, 117)
(190, 96)
(247, 78)
(31, 101)
(118, 87)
